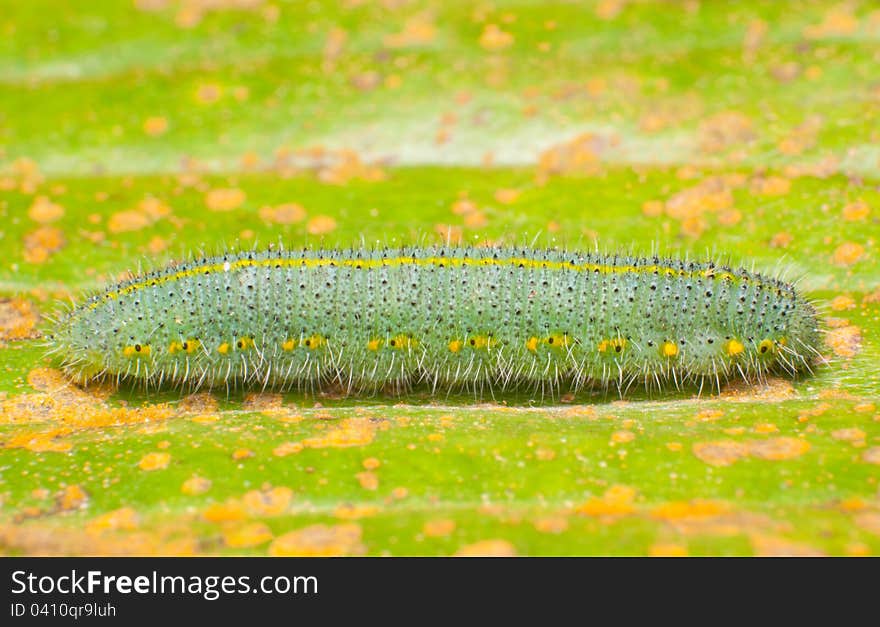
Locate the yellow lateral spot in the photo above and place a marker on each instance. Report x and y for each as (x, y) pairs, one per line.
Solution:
(314, 342)
(783, 341)
(289, 345)
(479, 342)
(244, 343)
(454, 346)
(402, 341)
(766, 347)
(616, 345)
(557, 340)
(223, 348)
(136, 350)
(190, 345)
(374, 345)
(669, 349)
(175, 347)
(734, 347)
(532, 344)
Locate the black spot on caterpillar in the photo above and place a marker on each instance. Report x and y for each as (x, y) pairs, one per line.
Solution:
(445, 317)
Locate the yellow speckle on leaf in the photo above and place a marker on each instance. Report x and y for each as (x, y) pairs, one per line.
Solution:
(617, 501)
(351, 432)
(551, 524)
(667, 550)
(321, 225)
(124, 519)
(271, 502)
(18, 318)
(487, 548)
(72, 497)
(842, 302)
(856, 211)
(765, 427)
(725, 130)
(622, 437)
(205, 419)
(43, 210)
(709, 415)
(349, 511)
(209, 93)
(783, 239)
(464, 207)
(438, 528)
(653, 208)
(476, 220)
(40, 442)
(778, 448)
(368, 480)
(224, 199)
(507, 196)
(774, 546)
(494, 39)
(609, 9)
(287, 448)
(418, 30)
(229, 511)
(845, 341)
(838, 21)
(872, 455)
(155, 125)
(869, 521)
(848, 253)
(729, 217)
(251, 534)
(720, 453)
(854, 435)
(129, 220)
(195, 485)
(154, 461)
(42, 243)
(771, 186)
(287, 213)
(686, 510)
(319, 541)
(544, 454)
(857, 549)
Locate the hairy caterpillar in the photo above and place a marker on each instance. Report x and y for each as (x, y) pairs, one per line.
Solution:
(447, 317)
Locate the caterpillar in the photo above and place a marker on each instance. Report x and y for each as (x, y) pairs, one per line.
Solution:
(445, 317)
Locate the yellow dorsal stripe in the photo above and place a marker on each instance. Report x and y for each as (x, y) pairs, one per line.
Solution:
(231, 266)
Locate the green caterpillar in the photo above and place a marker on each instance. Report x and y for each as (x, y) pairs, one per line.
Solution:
(445, 317)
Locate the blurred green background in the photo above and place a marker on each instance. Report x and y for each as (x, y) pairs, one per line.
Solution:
(136, 132)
